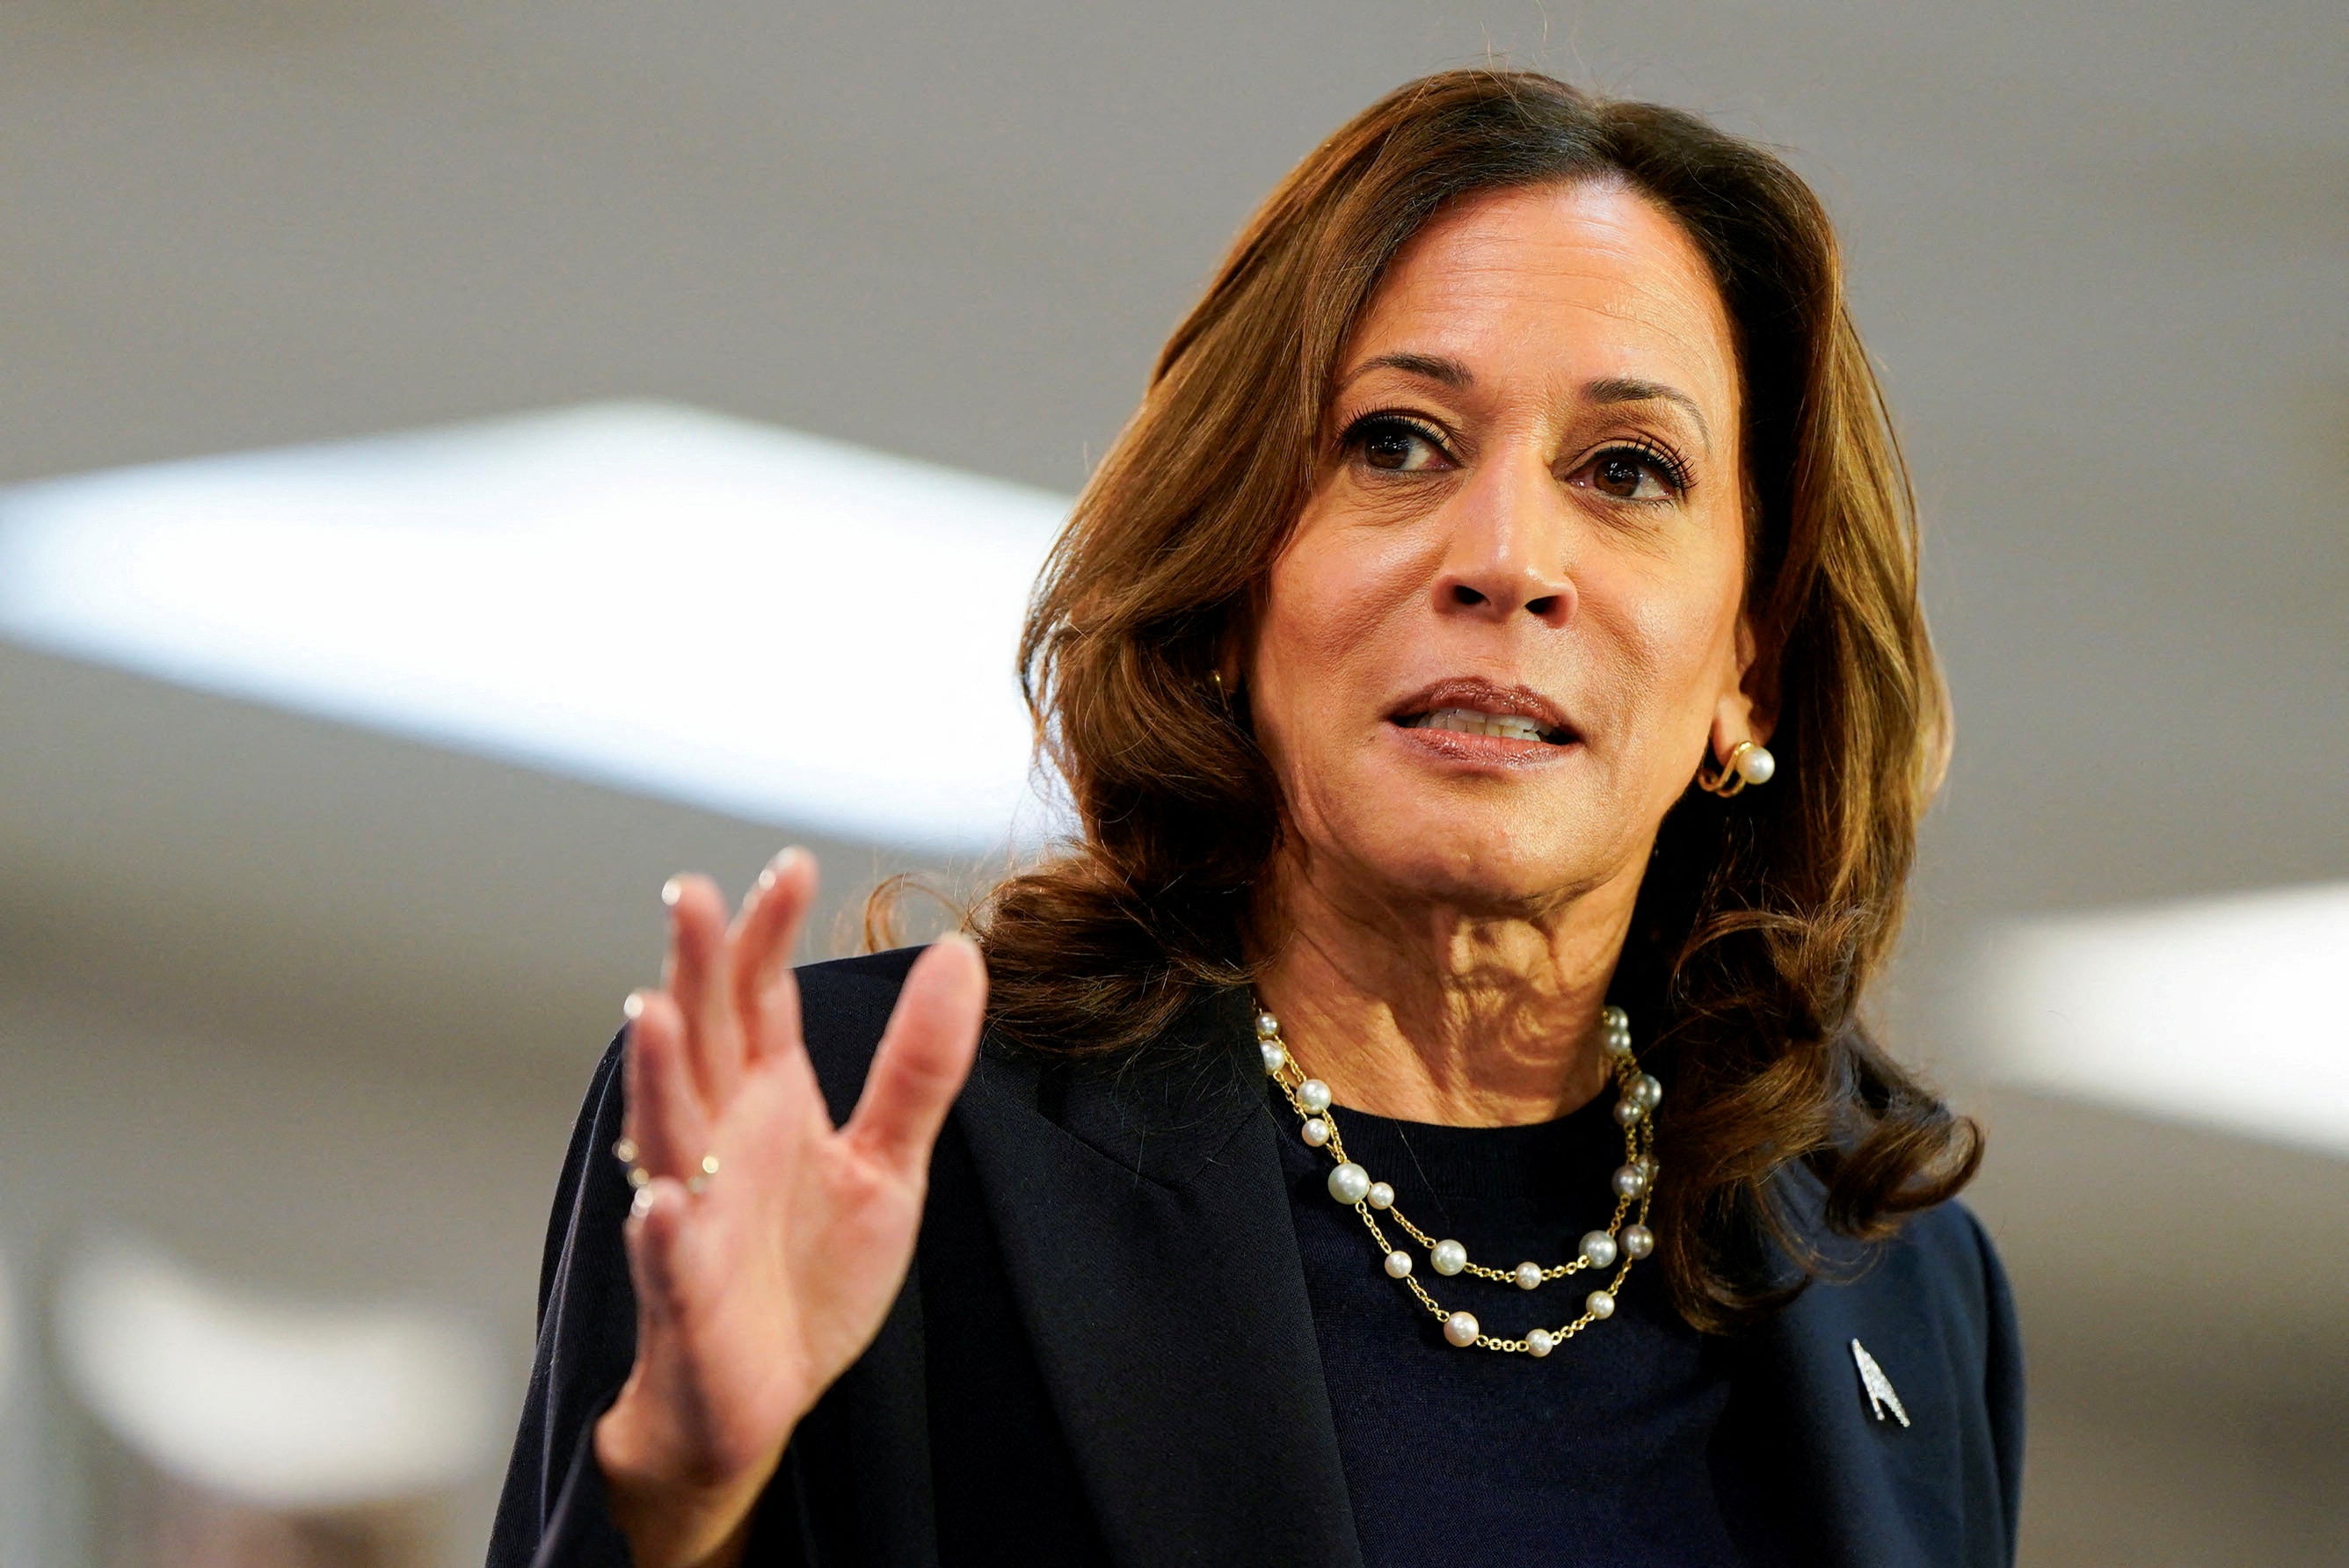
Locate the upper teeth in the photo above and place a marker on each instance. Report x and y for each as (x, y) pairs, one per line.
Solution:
(1468, 721)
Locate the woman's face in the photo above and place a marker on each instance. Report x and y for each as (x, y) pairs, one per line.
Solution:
(1492, 653)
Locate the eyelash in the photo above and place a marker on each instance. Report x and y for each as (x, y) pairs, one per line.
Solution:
(1674, 469)
(1359, 433)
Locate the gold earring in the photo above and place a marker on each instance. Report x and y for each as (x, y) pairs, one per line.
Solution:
(1746, 763)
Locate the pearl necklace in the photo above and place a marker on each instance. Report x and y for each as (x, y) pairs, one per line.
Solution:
(1634, 1183)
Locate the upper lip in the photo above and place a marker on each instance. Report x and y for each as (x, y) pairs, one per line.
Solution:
(1481, 695)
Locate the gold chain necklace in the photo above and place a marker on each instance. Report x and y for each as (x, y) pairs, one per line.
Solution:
(1634, 1182)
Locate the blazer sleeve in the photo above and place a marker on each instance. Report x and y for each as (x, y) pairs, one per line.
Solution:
(2003, 1382)
(552, 1512)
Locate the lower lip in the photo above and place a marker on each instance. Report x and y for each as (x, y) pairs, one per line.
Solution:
(1488, 750)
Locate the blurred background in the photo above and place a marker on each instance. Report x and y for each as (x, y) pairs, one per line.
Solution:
(462, 463)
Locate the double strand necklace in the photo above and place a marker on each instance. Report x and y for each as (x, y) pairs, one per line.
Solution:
(1625, 1243)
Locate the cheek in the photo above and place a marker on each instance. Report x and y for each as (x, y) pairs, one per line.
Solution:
(1335, 598)
(1680, 652)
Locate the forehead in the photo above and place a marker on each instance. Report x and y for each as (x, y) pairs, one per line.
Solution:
(1565, 282)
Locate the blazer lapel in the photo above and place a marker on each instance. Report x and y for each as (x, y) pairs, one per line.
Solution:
(1835, 1491)
(1861, 1491)
(1147, 1234)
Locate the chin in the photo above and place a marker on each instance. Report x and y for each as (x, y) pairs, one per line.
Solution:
(1498, 862)
(1487, 887)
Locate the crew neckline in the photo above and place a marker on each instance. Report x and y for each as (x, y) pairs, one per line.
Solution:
(1564, 1162)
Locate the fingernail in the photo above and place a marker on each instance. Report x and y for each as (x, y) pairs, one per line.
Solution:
(671, 891)
(783, 857)
(634, 1007)
(642, 1204)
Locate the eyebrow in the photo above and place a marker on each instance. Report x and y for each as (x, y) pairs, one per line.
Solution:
(1607, 389)
(1626, 389)
(1426, 366)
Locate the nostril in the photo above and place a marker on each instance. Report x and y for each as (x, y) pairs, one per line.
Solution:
(1543, 606)
(1464, 595)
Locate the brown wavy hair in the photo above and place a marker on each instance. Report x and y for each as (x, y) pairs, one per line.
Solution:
(1762, 919)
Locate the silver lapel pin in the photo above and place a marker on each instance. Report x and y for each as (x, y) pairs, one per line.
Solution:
(1879, 1387)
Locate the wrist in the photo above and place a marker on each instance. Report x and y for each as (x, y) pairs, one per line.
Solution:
(673, 1516)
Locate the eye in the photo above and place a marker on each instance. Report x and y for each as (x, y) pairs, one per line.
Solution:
(1394, 444)
(1633, 473)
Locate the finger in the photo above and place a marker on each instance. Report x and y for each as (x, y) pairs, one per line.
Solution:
(925, 1055)
(654, 1235)
(697, 977)
(766, 996)
(664, 1119)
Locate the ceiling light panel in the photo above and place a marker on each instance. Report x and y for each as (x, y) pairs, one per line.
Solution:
(752, 620)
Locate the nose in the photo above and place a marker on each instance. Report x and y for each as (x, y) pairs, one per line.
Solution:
(1507, 552)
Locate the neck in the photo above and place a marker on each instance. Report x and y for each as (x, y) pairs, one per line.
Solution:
(1427, 1011)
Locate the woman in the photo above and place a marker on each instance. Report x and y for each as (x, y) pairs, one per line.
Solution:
(1424, 1118)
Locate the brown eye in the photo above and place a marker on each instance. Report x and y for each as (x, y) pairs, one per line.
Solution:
(1395, 446)
(1628, 473)
(1619, 475)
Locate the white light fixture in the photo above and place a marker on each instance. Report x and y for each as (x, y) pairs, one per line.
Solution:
(2227, 1012)
(277, 1405)
(783, 628)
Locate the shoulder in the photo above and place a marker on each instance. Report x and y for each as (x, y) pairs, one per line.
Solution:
(1947, 1262)
(843, 1006)
(1953, 1256)
(1940, 1261)
(1951, 1267)
(1936, 1287)
(1934, 1295)
(1890, 1389)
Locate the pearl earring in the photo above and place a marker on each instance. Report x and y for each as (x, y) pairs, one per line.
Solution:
(1747, 763)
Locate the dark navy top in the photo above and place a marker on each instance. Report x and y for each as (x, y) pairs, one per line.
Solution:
(1605, 1451)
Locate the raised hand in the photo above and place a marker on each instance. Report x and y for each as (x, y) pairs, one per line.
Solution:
(765, 1245)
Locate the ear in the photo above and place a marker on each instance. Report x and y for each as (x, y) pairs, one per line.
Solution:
(1743, 713)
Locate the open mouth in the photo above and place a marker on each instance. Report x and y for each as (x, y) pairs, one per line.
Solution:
(1498, 725)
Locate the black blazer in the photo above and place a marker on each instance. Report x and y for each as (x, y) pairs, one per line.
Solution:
(1104, 1355)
